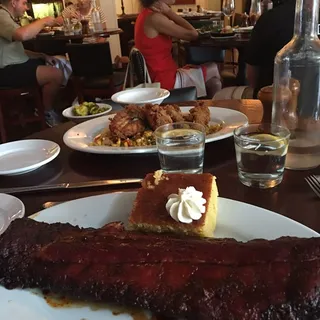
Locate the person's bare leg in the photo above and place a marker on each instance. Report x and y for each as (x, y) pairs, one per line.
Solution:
(50, 80)
(213, 79)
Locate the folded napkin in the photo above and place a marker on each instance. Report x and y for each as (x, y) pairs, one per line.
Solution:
(64, 65)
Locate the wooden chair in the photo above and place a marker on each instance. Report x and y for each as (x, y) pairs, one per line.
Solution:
(11, 99)
(199, 55)
(93, 75)
(180, 95)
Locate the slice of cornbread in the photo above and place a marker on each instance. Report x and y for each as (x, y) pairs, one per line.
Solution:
(149, 210)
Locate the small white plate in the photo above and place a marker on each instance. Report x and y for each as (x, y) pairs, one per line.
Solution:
(141, 96)
(235, 219)
(26, 155)
(81, 136)
(11, 208)
(69, 114)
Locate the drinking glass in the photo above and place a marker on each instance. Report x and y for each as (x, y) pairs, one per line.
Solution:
(255, 12)
(181, 147)
(228, 7)
(261, 151)
(68, 27)
(85, 24)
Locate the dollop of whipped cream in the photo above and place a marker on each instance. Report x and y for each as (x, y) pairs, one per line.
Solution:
(186, 206)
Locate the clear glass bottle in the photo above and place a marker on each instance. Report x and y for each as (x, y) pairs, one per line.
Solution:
(296, 88)
(96, 18)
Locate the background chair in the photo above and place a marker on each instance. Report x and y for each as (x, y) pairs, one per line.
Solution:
(14, 108)
(138, 66)
(181, 95)
(92, 71)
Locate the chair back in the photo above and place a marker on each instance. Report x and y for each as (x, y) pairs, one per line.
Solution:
(90, 59)
(137, 60)
(199, 55)
(181, 95)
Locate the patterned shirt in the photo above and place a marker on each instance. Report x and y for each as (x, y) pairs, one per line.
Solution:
(72, 10)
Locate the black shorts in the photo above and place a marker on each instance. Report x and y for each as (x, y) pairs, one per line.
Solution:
(20, 75)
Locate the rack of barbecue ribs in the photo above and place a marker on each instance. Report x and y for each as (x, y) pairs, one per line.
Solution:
(190, 278)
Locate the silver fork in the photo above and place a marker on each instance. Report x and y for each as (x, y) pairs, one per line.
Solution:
(314, 184)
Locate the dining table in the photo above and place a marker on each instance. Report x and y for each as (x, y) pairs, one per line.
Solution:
(55, 44)
(237, 42)
(293, 198)
(61, 36)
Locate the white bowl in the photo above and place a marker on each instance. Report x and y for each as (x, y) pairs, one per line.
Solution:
(141, 96)
(78, 119)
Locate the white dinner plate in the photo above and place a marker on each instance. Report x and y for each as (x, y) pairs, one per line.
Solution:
(11, 208)
(243, 29)
(68, 113)
(49, 33)
(81, 136)
(141, 96)
(223, 38)
(235, 220)
(22, 156)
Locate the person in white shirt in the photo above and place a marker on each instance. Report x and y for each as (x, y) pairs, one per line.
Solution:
(82, 11)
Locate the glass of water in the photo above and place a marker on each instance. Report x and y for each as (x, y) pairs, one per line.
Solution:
(68, 27)
(261, 151)
(181, 147)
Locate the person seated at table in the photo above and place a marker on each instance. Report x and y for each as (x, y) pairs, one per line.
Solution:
(81, 11)
(272, 32)
(19, 67)
(155, 27)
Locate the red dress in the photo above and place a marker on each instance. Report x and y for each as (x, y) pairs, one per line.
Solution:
(157, 53)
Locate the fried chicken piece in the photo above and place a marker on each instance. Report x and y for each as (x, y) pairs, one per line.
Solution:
(200, 114)
(156, 116)
(128, 122)
(135, 111)
(174, 112)
(188, 117)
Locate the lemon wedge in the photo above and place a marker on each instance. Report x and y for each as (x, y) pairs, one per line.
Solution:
(268, 138)
(277, 144)
(179, 133)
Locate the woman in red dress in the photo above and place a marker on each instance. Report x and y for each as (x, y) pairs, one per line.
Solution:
(155, 27)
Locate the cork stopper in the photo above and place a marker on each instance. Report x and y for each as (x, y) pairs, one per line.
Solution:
(265, 96)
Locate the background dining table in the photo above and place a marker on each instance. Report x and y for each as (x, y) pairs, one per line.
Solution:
(56, 44)
(292, 198)
(237, 42)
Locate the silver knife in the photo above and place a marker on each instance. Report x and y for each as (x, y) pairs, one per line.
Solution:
(76, 185)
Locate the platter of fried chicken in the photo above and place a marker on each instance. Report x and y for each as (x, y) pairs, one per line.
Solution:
(131, 129)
